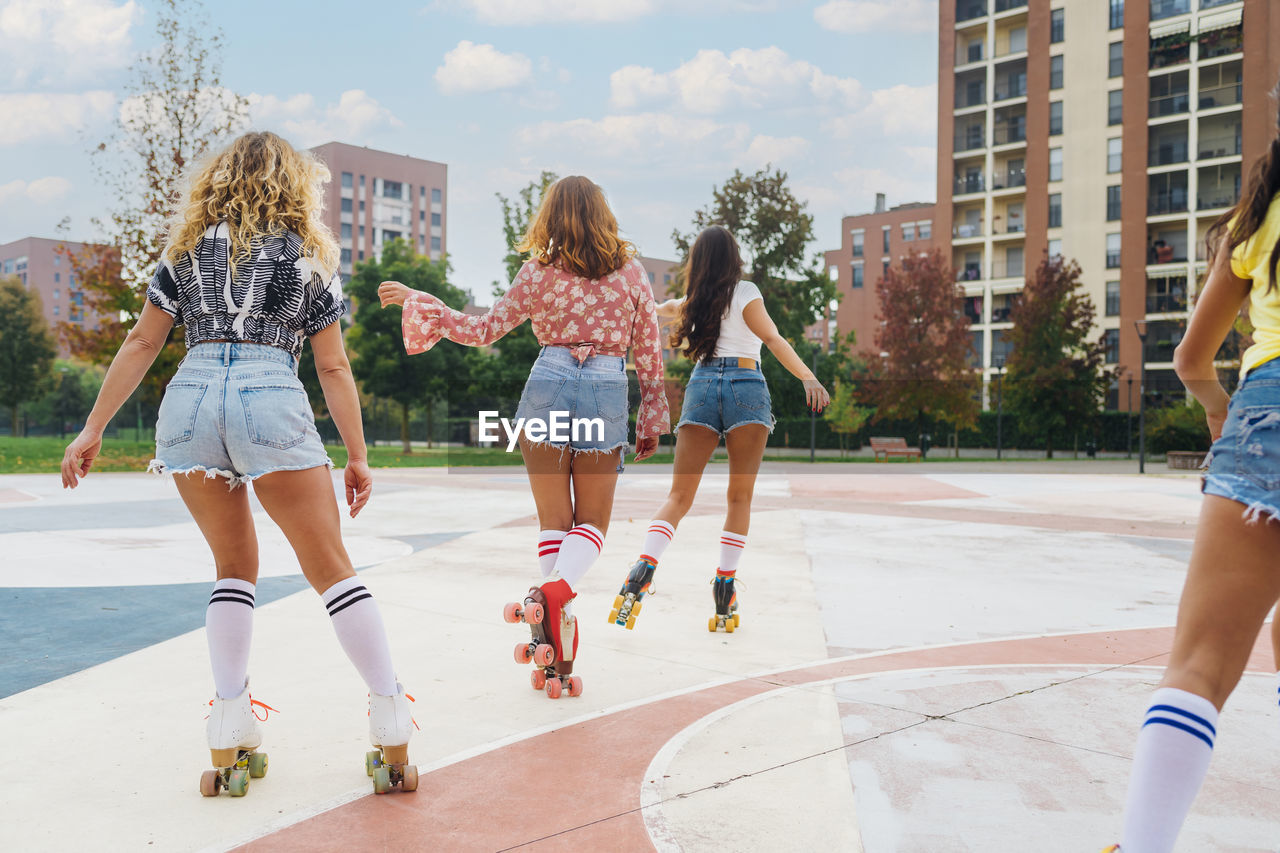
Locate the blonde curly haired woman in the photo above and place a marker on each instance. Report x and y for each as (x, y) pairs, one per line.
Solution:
(249, 271)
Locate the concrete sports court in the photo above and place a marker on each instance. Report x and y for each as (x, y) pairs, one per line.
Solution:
(931, 658)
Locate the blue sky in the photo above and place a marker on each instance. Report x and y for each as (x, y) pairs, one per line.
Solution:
(656, 100)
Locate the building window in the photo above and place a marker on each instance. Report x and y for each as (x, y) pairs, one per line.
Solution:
(346, 205)
(422, 216)
(57, 310)
(1055, 164)
(1113, 299)
(361, 233)
(57, 294)
(436, 219)
(436, 196)
(347, 180)
(346, 231)
(1115, 60)
(653, 279)
(1055, 210)
(57, 277)
(435, 244)
(886, 267)
(1055, 71)
(8, 266)
(924, 230)
(1113, 251)
(858, 237)
(908, 232)
(1055, 118)
(1055, 248)
(392, 189)
(857, 275)
(1115, 107)
(362, 205)
(1111, 338)
(388, 236)
(1168, 8)
(1117, 14)
(361, 254)
(346, 256)
(1113, 204)
(1057, 26)
(1115, 158)
(362, 182)
(885, 233)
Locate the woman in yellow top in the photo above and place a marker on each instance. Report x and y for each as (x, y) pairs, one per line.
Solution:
(1234, 576)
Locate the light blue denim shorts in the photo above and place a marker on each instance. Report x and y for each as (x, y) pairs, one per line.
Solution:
(723, 396)
(237, 411)
(593, 392)
(1244, 464)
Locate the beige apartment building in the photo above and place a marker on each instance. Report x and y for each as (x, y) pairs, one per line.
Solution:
(376, 197)
(1111, 133)
(41, 265)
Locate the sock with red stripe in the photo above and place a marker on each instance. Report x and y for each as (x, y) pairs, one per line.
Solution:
(358, 624)
(731, 545)
(578, 551)
(549, 550)
(656, 540)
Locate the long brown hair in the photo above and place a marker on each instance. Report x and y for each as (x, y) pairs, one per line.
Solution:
(1246, 218)
(575, 230)
(711, 276)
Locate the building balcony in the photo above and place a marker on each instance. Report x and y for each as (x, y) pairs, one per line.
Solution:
(968, 10)
(1179, 103)
(1010, 134)
(1213, 147)
(1009, 5)
(1161, 9)
(968, 231)
(1005, 269)
(969, 142)
(1009, 180)
(1166, 303)
(970, 185)
(1221, 96)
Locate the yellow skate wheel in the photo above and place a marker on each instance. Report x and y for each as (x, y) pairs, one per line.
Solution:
(618, 601)
(210, 783)
(711, 624)
(372, 761)
(382, 780)
(631, 621)
(730, 625)
(238, 783)
(635, 608)
(737, 620)
(613, 615)
(257, 765)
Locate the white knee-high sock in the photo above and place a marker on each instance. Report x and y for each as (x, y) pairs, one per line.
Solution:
(1169, 764)
(228, 623)
(578, 551)
(358, 624)
(548, 549)
(656, 540)
(731, 545)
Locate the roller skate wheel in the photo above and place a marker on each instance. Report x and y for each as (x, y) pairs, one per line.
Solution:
(618, 601)
(729, 624)
(554, 687)
(409, 782)
(532, 613)
(257, 765)
(238, 782)
(737, 620)
(210, 783)
(538, 679)
(382, 780)
(511, 612)
(575, 685)
(372, 761)
(631, 620)
(544, 655)
(613, 615)
(522, 653)
(635, 608)
(711, 624)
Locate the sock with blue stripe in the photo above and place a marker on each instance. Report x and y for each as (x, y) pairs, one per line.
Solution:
(1169, 765)
(358, 624)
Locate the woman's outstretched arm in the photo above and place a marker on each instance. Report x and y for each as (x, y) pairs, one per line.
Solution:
(763, 327)
(426, 319)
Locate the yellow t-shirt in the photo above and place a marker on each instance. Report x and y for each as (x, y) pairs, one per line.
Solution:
(1251, 260)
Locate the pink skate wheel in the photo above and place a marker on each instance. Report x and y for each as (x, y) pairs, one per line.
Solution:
(533, 613)
(511, 612)
(553, 688)
(538, 679)
(522, 654)
(544, 655)
(210, 783)
(575, 685)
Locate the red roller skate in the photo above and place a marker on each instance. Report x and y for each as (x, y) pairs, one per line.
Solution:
(554, 642)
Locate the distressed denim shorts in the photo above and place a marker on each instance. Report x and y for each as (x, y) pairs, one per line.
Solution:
(560, 391)
(723, 396)
(1244, 464)
(237, 411)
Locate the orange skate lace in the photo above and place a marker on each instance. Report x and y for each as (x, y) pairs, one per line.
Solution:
(266, 709)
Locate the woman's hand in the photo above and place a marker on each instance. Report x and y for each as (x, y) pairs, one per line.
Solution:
(359, 481)
(669, 309)
(1216, 421)
(394, 293)
(815, 396)
(646, 447)
(79, 457)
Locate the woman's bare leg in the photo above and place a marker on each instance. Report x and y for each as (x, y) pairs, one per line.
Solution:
(595, 480)
(548, 470)
(746, 450)
(694, 446)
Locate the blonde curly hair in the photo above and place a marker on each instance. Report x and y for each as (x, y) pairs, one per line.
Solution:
(259, 185)
(575, 230)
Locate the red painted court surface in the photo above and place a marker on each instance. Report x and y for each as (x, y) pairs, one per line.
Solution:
(930, 658)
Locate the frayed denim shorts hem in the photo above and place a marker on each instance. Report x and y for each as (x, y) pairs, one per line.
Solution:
(591, 390)
(722, 396)
(233, 479)
(1244, 463)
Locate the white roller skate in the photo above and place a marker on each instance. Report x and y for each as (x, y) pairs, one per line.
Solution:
(233, 742)
(390, 727)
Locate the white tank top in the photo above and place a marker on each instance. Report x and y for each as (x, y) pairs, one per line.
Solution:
(736, 340)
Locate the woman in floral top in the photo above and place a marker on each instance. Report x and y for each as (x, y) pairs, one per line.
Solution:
(589, 301)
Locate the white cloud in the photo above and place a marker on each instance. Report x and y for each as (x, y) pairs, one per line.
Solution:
(471, 67)
(527, 12)
(306, 123)
(776, 151)
(714, 82)
(874, 16)
(39, 191)
(61, 40)
(31, 117)
(640, 138)
(897, 111)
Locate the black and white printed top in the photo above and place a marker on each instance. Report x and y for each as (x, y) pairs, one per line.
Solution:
(278, 296)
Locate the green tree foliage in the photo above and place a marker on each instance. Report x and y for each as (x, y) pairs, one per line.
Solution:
(70, 396)
(844, 416)
(380, 363)
(1177, 427)
(27, 349)
(920, 364)
(1056, 383)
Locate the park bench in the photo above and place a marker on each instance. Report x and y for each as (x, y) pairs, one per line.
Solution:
(887, 447)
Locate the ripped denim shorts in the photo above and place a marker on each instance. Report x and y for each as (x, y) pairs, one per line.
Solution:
(237, 411)
(586, 402)
(1244, 464)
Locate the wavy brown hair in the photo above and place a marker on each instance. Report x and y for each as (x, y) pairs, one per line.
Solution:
(259, 185)
(711, 276)
(574, 229)
(1245, 219)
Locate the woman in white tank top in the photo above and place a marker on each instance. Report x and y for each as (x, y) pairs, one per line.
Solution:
(721, 323)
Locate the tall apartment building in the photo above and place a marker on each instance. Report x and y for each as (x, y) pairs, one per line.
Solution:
(376, 197)
(869, 242)
(1113, 134)
(40, 265)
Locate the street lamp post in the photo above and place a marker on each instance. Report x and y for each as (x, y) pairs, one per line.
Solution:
(1128, 441)
(813, 415)
(1140, 326)
(999, 410)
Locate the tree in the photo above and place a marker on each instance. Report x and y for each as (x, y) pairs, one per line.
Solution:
(175, 110)
(1056, 380)
(27, 349)
(381, 365)
(920, 365)
(774, 233)
(69, 397)
(844, 416)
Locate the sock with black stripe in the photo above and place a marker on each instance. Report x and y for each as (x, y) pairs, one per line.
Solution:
(578, 552)
(1169, 765)
(656, 540)
(228, 623)
(358, 624)
(731, 546)
(549, 549)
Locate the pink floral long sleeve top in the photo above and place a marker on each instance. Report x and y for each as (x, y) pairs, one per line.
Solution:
(604, 316)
